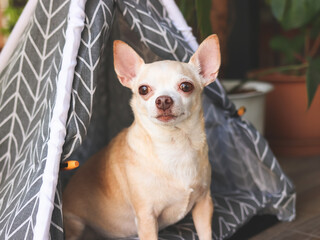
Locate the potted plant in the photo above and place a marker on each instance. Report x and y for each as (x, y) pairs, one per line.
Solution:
(293, 108)
(9, 15)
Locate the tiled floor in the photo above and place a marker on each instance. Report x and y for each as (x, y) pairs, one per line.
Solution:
(305, 173)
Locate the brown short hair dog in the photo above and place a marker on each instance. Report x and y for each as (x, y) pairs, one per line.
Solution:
(157, 170)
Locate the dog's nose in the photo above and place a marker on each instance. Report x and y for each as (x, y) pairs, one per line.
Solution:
(164, 102)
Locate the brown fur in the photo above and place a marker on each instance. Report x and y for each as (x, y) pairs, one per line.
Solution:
(152, 174)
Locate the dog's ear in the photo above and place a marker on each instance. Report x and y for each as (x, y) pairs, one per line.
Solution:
(207, 59)
(127, 62)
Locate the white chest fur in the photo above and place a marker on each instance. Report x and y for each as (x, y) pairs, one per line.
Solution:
(181, 158)
(186, 185)
(174, 168)
(177, 153)
(178, 157)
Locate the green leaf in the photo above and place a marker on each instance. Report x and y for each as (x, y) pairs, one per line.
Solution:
(288, 46)
(295, 13)
(203, 8)
(11, 15)
(278, 8)
(315, 28)
(313, 78)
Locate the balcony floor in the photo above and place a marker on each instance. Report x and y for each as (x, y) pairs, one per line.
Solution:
(305, 173)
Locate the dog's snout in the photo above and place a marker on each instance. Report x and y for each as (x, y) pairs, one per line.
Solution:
(164, 102)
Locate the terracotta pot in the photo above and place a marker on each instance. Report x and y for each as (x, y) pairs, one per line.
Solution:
(291, 128)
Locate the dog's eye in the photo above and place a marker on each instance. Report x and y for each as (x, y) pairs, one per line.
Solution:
(186, 87)
(144, 90)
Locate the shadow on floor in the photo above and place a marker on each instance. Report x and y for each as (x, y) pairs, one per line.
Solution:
(256, 225)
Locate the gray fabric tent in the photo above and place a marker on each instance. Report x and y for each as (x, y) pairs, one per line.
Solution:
(52, 107)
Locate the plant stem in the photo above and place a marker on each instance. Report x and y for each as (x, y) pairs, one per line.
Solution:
(307, 42)
(278, 69)
(315, 46)
(238, 86)
(299, 57)
(267, 72)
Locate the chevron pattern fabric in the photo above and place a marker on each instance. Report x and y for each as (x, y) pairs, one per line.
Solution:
(97, 28)
(156, 30)
(27, 94)
(247, 178)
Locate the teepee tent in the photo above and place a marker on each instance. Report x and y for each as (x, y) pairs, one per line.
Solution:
(60, 99)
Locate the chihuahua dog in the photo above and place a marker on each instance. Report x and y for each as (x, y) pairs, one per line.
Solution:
(157, 170)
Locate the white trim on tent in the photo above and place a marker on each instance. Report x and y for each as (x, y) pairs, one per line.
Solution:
(16, 33)
(180, 23)
(75, 26)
